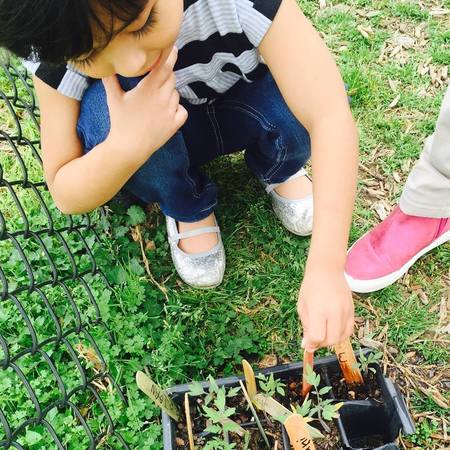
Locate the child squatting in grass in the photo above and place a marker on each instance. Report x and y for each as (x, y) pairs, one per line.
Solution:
(140, 94)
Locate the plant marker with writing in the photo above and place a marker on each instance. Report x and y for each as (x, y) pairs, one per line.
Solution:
(298, 433)
(271, 407)
(158, 395)
(308, 364)
(187, 411)
(301, 435)
(348, 363)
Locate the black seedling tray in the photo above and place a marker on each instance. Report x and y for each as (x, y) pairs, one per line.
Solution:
(382, 419)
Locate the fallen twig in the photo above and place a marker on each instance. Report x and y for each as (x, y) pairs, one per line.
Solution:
(308, 365)
(147, 265)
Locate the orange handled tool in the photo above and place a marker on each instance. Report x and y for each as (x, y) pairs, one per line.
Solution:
(308, 367)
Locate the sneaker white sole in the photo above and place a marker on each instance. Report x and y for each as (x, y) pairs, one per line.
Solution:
(291, 230)
(203, 288)
(366, 286)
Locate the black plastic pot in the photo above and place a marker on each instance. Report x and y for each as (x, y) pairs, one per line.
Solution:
(359, 420)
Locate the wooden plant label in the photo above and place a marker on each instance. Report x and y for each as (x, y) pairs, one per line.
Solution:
(308, 366)
(238, 429)
(298, 433)
(271, 407)
(249, 378)
(348, 363)
(295, 424)
(158, 395)
(187, 411)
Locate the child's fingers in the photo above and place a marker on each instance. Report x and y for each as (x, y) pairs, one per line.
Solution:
(170, 83)
(180, 116)
(172, 59)
(112, 87)
(160, 75)
(165, 71)
(307, 346)
(310, 347)
(174, 100)
(314, 335)
(349, 329)
(335, 332)
(339, 330)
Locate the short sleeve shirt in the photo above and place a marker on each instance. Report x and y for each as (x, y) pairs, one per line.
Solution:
(217, 46)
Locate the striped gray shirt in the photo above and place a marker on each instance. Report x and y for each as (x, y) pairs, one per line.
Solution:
(217, 47)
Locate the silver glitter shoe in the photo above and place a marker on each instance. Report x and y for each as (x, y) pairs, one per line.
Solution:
(295, 215)
(200, 270)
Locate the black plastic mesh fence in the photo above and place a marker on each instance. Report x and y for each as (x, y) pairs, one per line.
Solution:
(54, 383)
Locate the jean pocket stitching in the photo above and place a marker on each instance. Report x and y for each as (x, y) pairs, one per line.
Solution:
(252, 112)
(218, 133)
(268, 126)
(214, 127)
(187, 177)
(278, 164)
(191, 181)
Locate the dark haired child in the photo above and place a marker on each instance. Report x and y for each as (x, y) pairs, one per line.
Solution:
(140, 94)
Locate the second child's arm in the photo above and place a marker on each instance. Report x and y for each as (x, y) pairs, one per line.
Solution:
(142, 120)
(311, 84)
(78, 183)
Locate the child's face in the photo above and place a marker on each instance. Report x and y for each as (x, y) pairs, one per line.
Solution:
(138, 48)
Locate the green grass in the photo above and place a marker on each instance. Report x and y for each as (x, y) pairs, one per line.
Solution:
(253, 313)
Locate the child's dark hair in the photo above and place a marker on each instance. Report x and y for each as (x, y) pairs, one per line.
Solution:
(55, 31)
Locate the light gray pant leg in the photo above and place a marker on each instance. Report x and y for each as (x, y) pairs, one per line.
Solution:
(427, 191)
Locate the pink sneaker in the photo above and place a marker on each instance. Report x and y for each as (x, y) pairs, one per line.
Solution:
(386, 253)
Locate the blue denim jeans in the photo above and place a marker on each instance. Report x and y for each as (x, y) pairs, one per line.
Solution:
(250, 116)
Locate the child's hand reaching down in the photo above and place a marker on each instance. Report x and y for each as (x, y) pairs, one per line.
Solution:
(326, 309)
(145, 118)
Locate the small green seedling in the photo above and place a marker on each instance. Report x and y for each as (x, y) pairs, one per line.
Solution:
(197, 389)
(366, 361)
(218, 444)
(218, 414)
(270, 386)
(325, 410)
